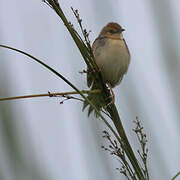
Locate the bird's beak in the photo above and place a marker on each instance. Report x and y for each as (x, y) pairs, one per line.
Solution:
(122, 30)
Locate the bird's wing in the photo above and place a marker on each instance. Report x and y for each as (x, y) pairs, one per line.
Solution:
(96, 47)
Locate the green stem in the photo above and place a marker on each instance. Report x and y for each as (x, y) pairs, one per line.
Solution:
(176, 176)
(127, 147)
(79, 42)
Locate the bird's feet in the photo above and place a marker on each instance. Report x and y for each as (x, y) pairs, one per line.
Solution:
(112, 96)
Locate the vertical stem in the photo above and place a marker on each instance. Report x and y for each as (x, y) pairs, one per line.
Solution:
(126, 145)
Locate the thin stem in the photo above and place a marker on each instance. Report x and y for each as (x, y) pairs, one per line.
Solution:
(176, 176)
(50, 94)
(124, 141)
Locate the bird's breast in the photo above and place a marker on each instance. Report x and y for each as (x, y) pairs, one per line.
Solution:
(113, 59)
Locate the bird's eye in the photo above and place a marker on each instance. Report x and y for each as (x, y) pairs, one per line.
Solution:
(111, 31)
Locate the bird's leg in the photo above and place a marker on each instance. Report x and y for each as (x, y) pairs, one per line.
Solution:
(112, 96)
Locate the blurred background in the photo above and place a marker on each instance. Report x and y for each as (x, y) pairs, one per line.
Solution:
(44, 140)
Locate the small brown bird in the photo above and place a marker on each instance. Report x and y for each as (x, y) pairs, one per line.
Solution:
(111, 55)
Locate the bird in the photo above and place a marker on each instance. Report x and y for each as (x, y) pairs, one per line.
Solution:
(111, 55)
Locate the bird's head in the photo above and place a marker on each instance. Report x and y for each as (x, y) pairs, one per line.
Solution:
(112, 30)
